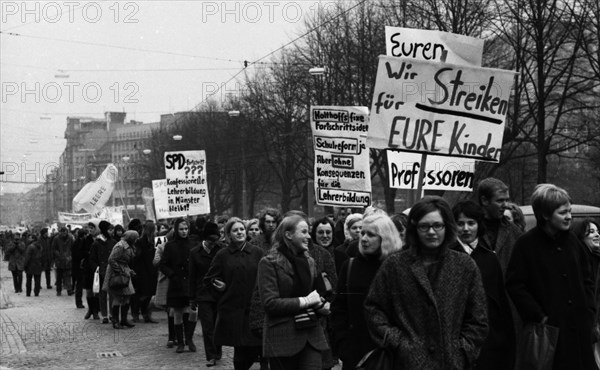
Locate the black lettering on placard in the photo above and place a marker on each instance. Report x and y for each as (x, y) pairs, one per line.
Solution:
(429, 51)
(342, 161)
(174, 160)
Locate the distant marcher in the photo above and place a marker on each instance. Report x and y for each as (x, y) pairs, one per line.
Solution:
(232, 277)
(287, 289)
(253, 228)
(78, 254)
(349, 247)
(269, 219)
(118, 232)
(498, 351)
(146, 275)
(202, 296)
(47, 255)
(379, 238)
(62, 246)
(119, 263)
(33, 267)
(15, 254)
(98, 259)
(429, 279)
(549, 279)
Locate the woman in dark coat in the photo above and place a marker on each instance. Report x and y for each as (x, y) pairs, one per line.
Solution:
(379, 239)
(549, 279)
(232, 276)
(32, 265)
(287, 286)
(175, 263)
(427, 303)
(146, 275)
(498, 351)
(119, 263)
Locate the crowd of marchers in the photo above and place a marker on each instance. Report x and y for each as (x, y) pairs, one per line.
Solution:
(441, 287)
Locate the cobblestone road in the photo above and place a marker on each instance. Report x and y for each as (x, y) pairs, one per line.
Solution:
(50, 332)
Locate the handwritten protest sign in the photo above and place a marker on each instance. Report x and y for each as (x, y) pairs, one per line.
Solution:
(342, 174)
(441, 173)
(187, 191)
(161, 204)
(435, 46)
(439, 108)
(158, 240)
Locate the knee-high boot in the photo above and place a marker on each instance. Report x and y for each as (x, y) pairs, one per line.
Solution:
(179, 335)
(115, 316)
(88, 314)
(189, 327)
(124, 322)
(171, 326)
(95, 303)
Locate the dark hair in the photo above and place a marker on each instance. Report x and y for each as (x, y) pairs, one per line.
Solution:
(149, 231)
(471, 210)
(423, 207)
(118, 228)
(582, 228)
(546, 198)
(488, 187)
(399, 220)
(44, 230)
(270, 212)
(321, 221)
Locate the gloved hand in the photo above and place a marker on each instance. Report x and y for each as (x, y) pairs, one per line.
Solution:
(310, 300)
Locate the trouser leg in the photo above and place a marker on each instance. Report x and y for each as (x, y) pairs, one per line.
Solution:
(37, 279)
(29, 277)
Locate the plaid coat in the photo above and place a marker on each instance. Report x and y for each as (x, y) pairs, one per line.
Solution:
(433, 326)
(275, 282)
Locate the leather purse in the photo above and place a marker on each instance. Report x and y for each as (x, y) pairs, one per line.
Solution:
(118, 281)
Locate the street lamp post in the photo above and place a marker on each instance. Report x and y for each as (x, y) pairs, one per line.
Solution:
(235, 113)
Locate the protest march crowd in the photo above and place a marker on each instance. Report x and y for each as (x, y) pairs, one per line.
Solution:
(440, 287)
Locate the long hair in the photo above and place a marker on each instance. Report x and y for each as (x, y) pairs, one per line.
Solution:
(229, 226)
(423, 207)
(387, 231)
(288, 223)
(149, 231)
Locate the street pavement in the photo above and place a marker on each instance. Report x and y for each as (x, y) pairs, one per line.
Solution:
(49, 332)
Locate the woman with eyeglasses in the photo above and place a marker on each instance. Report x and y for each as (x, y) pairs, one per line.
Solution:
(427, 303)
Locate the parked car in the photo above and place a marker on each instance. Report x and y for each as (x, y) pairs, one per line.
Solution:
(578, 212)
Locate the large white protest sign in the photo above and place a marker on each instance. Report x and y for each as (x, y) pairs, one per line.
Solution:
(441, 173)
(187, 190)
(439, 108)
(435, 46)
(161, 204)
(342, 174)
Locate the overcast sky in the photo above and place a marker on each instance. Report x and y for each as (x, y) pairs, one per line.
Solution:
(146, 58)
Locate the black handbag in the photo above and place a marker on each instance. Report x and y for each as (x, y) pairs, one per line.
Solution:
(306, 320)
(379, 359)
(118, 281)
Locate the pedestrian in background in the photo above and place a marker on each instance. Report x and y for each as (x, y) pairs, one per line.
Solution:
(175, 264)
(292, 335)
(15, 253)
(98, 259)
(268, 220)
(498, 351)
(253, 228)
(202, 296)
(146, 275)
(162, 285)
(232, 277)
(427, 302)
(550, 281)
(119, 263)
(78, 254)
(62, 246)
(32, 265)
(47, 255)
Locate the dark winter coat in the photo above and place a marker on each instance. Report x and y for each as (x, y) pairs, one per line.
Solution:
(503, 246)
(78, 254)
(551, 277)
(276, 282)
(175, 264)
(15, 252)
(119, 262)
(237, 269)
(33, 259)
(498, 351)
(61, 246)
(347, 311)
(99, 252)
(47, 253)
(432, 326)
(200, 261)
(146, 275)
